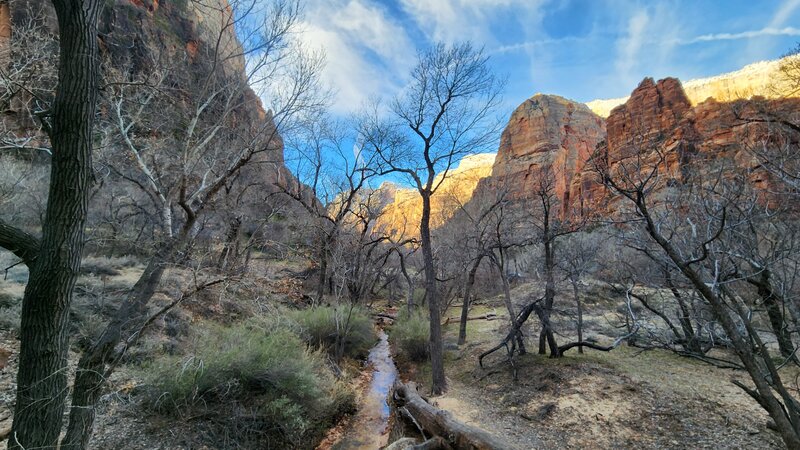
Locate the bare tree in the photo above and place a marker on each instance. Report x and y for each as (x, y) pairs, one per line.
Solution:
(445, 112)
(213, 147)
(695, 244)
(335, 186)
(54, 260)
(577, 256)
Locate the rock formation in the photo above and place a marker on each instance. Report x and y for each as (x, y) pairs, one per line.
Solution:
(656, 126)
(401, 216)
(761, 79)
(545, 133)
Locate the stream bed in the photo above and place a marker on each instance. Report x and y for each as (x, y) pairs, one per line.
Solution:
(369, 427)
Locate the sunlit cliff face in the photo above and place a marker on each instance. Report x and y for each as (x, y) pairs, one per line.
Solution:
(762, 79)
(401, 217)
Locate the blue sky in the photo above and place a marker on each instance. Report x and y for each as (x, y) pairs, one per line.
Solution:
(580, 49)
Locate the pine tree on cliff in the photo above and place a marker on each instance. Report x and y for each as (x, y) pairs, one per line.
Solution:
(54, 260)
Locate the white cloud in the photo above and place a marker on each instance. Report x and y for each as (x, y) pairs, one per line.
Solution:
(628, 48)
(367, 52)
(460, 20)
(768, 31)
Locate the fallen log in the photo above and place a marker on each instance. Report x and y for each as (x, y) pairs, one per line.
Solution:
(435, 422)
(384, 316)
(488, 316)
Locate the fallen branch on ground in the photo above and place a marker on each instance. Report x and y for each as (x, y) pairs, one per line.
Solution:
(440, 423)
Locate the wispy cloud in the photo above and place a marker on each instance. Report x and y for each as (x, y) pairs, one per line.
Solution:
(628, 47)
(367, 50)
(459, 20)
(750, 34)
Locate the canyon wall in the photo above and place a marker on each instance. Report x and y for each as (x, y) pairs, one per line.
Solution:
(402, 215)
(761, 79)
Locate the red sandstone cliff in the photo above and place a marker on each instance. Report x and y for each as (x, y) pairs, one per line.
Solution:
(657, 125)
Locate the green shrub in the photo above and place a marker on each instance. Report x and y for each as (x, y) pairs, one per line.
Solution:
(324, 327)
(409, 334)
(287, 391)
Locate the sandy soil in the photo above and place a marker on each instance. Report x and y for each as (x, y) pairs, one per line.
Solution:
(626, 398)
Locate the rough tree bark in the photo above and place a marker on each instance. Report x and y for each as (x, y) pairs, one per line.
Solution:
(462, 327)
(437, 422)
(439, 383)
(97, 362)
(773, 303)
(510, 307)
(579, 307)
(42, 376)
(546, 336)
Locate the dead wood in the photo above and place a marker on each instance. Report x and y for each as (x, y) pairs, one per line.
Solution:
(440, 423)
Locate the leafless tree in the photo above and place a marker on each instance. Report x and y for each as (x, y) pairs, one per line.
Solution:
(445, 112)
(54, 259)
(692, 235)
(578, 254)
(183, 165)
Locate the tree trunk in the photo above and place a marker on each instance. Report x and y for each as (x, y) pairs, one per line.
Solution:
(692, 342)
(546, 335)
(437, 422)
(510, 307)
(230, 249)
(748, 346)
(42, 376)
(97, 363)
(439, 383)
(323, 269)
(462, 327)
(774, 306)
(579, 307)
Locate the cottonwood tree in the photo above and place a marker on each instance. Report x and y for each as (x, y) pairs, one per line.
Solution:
(544, 217)
(184, 164)
(487, 228)
(54, 259)
(444, 113)
(691, 232)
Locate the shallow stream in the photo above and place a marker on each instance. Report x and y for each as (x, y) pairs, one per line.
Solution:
(369, 428)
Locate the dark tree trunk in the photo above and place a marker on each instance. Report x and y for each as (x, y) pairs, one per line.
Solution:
(579, 307)
(230, 250)
(774, 306)
(512, 315)
(42, 376)
(322, 279)
(546, 336)
(97, 363)
(462, 327)
(693, 344)
(439, 383)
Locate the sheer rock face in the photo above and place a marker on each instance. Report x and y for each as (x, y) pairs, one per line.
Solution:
(402, 212)
(545, 133)
(656, 127)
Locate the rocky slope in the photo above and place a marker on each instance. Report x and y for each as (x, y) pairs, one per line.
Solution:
(761, 79)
